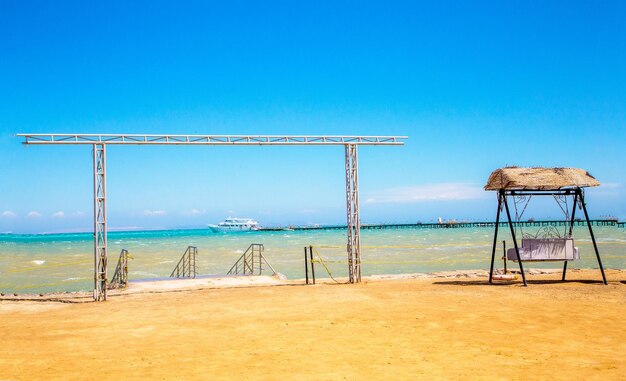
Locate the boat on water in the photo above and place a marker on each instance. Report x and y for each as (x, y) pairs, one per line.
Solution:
(235, 224)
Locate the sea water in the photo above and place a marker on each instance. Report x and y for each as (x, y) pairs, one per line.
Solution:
(64, 262)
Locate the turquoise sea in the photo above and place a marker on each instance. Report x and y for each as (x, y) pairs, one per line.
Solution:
(64, 262)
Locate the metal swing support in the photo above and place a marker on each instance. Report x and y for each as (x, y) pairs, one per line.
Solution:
(579, 199)
(593, 238)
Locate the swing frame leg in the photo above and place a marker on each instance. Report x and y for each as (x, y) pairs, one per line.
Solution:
(571, 227)
(519, 260)
(495, 239)
(593, 238)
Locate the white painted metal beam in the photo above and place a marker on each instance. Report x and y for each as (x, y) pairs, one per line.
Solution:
(153, 139)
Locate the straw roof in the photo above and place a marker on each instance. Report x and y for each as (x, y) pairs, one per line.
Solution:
(515, 178)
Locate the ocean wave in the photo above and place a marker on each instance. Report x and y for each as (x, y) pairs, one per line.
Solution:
(609, 240)
(144, 273)
(38, 261)
(71, 279)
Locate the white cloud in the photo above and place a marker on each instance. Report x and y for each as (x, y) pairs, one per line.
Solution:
(79, 214)
(59, 214)
(154, 213)
(33, 214)
(608, 190)
(194, 212)
(9, 214)
(610, 185)
(428, 192)
(124, 228)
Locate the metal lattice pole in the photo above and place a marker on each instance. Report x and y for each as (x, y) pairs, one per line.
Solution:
(100, 223)
(353, 214)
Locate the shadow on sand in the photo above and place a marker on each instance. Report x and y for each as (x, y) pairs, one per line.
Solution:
(485, 282)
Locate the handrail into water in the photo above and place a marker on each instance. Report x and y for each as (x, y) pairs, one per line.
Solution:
(120, 277)
(247, 265)
(186, 267)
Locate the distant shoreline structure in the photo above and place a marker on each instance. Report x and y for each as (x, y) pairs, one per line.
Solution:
(418, 225)
(455, 224)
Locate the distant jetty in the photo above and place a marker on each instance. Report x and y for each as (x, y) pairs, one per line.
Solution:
(452, 225)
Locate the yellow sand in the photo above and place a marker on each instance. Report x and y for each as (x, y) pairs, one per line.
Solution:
(381, 330)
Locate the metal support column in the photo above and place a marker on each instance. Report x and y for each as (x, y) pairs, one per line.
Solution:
(353, 214)
(100, 223)
(593, 238)
(571, 229)
(519, 260)
(306, 263)
(495, 237)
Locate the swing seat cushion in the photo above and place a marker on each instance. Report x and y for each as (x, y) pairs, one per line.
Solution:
(545, 249)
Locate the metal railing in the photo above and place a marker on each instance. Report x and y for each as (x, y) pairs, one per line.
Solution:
(120, 277)
(186, 267)
(251, 262)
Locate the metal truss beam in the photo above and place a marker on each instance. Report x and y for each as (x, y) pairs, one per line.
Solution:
(353, 214)
(100, 223)
(209, 139)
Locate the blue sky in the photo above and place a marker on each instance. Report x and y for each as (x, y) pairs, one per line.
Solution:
(475, 85)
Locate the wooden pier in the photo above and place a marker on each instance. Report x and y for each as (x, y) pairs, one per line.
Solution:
(452, 225)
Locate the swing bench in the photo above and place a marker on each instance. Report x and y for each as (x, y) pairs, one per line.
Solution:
(548, 244)
(545, 250)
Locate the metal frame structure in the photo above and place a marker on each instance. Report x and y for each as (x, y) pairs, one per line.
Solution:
(353, 214)
(579, 200)
(100, 141)
(210, 139)
(100, 222)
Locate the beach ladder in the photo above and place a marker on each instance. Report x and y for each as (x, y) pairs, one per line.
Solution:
(186, 267)
(251, 262)
(120, 277)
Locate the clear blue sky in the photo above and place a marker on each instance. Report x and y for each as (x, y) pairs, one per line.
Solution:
(475, 85)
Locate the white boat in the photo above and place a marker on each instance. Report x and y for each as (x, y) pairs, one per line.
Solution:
(235, 224)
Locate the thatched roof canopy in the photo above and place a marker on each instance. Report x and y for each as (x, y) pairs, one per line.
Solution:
(514, 178)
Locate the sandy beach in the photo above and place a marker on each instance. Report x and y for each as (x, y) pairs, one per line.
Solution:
(405, 328)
